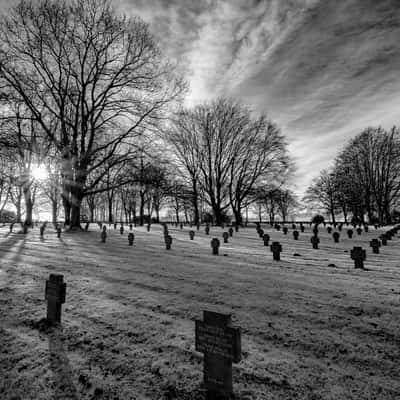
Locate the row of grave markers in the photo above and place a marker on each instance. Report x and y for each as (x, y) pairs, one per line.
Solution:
(215, 337)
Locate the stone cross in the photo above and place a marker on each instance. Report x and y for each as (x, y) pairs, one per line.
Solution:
(383, 239)
(168, 242)
(131, 238)
(276, 249)
(336, 236)
(296, 235)
(359, 256)
(225, 236)
(220, 342)
(55, 296)
(104, 234)
(266, 239)
(350, 233)
(191, 235)
(314, 241)
(215, 245)
(375, 244)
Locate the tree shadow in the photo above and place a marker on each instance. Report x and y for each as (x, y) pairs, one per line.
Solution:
(8, 246)
(64, 387)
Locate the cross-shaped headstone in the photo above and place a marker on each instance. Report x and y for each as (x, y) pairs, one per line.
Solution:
(55, 296)
(215, 245)
(350, 233)
(336, 236)
(314, 241)
(359, 256)
(375, 244)
(276, 249)
(220, 342)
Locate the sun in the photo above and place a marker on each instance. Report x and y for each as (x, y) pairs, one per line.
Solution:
(39, 172)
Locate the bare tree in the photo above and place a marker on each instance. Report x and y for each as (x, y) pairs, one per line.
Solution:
(89, 77)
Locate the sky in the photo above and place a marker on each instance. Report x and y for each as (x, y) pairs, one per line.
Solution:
(323, 70)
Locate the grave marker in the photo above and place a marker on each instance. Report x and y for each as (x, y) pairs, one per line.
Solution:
(104, 234)
(168, 242)
(359, 231)
(55, 295)
(261, 233)
(375, 244)
(359, 256)
(350, 233)
(230, 232)
(383, 239)
(302, 228)
(225, 236)
(336, 236)
(207, 229)
(276, 249)
(329, 229)
(296, 235)
(215, 245)
(131, 238)
(191, 235)
(58, 231)
(285, 230)
(314, 241)
(266, 239)
(220, 343)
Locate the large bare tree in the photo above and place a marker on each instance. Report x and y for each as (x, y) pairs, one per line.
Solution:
(89, 77)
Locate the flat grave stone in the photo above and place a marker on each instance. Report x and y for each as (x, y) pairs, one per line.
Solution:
(220, 342)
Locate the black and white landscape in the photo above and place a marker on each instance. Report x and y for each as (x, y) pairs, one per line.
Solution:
(199, 200)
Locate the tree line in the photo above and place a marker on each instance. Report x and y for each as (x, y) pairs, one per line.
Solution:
(364, 182)
(88, 94)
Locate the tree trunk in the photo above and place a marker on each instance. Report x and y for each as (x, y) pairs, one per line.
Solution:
(28, 206)
(110, 210)
(54, 211)
(141, 208)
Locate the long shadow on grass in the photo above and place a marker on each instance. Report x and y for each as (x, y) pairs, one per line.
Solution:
(8, 245)
(60, 366)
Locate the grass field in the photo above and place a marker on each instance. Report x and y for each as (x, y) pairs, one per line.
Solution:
(309, 330)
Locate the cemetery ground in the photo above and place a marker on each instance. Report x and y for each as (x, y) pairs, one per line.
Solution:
(313, 326)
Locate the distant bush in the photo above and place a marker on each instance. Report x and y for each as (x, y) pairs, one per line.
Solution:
(318, 219)
(7, 216)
